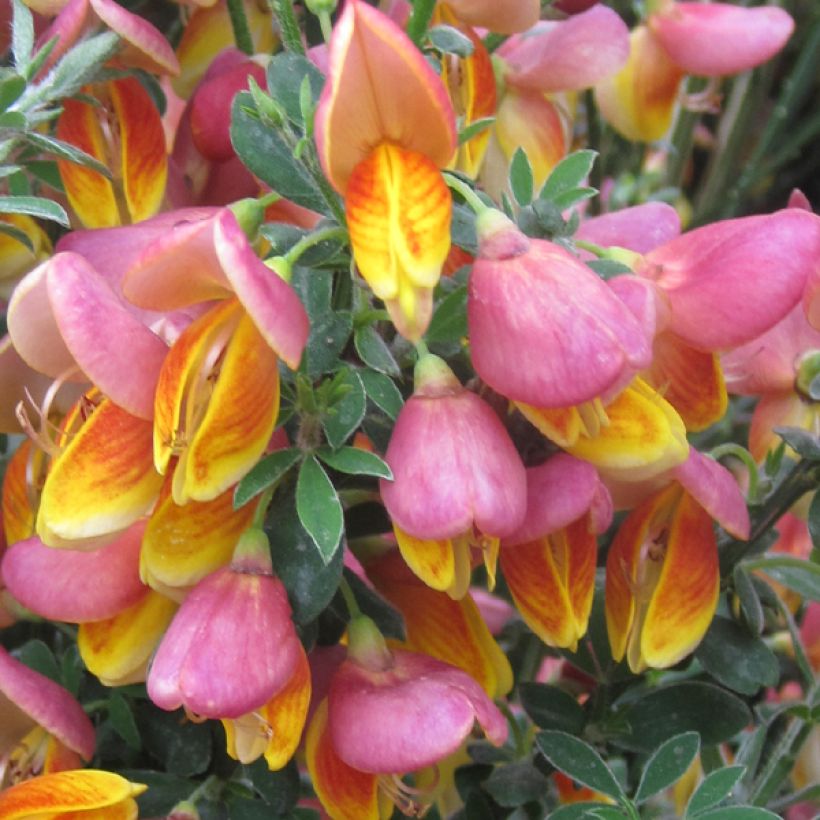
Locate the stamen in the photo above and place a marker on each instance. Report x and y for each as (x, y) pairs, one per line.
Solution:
(706, 101)
(593, 416)
(410, 801)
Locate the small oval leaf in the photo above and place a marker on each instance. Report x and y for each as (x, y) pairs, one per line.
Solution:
(668, 764)
(319, 508)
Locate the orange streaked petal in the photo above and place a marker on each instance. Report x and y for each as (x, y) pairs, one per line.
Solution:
(239, 419)
(63, 792)
(117, 649)
(183, 388)
(102, 482)
(144, 161)
(398, 213)
(183, 544)
(559, 424)
(552, 581)
(345, 792)
(286, 713)
(452, 631)
(371, 58)
(432, 561)
(89, 193)
(627, 584)
(690, 380)
(18, 512)
(686, 595)
(640, 99)
(786, 409)
(644, 436)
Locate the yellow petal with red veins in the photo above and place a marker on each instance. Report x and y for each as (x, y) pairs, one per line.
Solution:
(144, 166)
(183, 544)
(640, 99)
(285, 713)
(183, 388)
(16, 258)
(345, 793)
(18, 511)
(239, 419)
(117, 649)
(398, 213)
(430, 560)
(436, 625)
(62, 792)
(102, 482)
(686, 595)
(552, 581)
(690, 380)
(89, 193)
(559, 424)
(644, 436)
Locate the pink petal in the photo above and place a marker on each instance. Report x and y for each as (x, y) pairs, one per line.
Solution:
(271, 302)
(716, 39)
(72, 585)
(407, 717)
(501, 16)
(47, 703)
(731, 281)
(453, 465)
(716, 490)
(567, 56)
(559, 491)
(67, 27)
(640, 228)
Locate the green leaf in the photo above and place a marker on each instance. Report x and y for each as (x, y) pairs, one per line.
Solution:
(319, 508)
(379, 609)
(34, 206)
(579, 761)
(184, 748)
(801, 441)
(353, 461)
(79, 66)
(265, 474)
(462, 229)
(668, 764)
(568, 174)
(16, 233)
(715, 787)
(750, 605)
(738, 813)
(374, 352)
(449, 322)
(13, 121)
(552, 708)
(122, 720)
(311, 583)
(22, 35)
(382, 391)
(607, 268)
(715, 714)
(347, 413)
(572, 197)
(521, 178)
(515, 784)
(11, 87)
(45, 170)
(584, 811)
(64, 150)
(450, 40)
(269, 156)
(39, 657)
(814, 520)
(737, 659)
(474, 129)
(279, 789)
(801, 576)
(286, 73)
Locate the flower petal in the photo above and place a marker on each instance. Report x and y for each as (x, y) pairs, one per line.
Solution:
(501, 16)
(117, 649)
(18, 508)
(431, 560)
(371, 57)
(345, 792)
(144, 165)
(640, 228)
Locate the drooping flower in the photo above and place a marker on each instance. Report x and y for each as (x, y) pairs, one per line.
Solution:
(387, 714)
(387, 167)
(662, 577)
(549, 562)
(457, 479)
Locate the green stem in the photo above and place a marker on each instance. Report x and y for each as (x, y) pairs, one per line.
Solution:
(803, 664)
(591, 247)
(594, 137)
(421, 348)
(262, 508)
(288, 25)
(469, 195)
(519, 739)
(350, 598)
(269, 199)
(239, 24)
(312, 239)
(683, 135)
(741, 453)
(209, 788)
(326, 25)
(420, 19)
